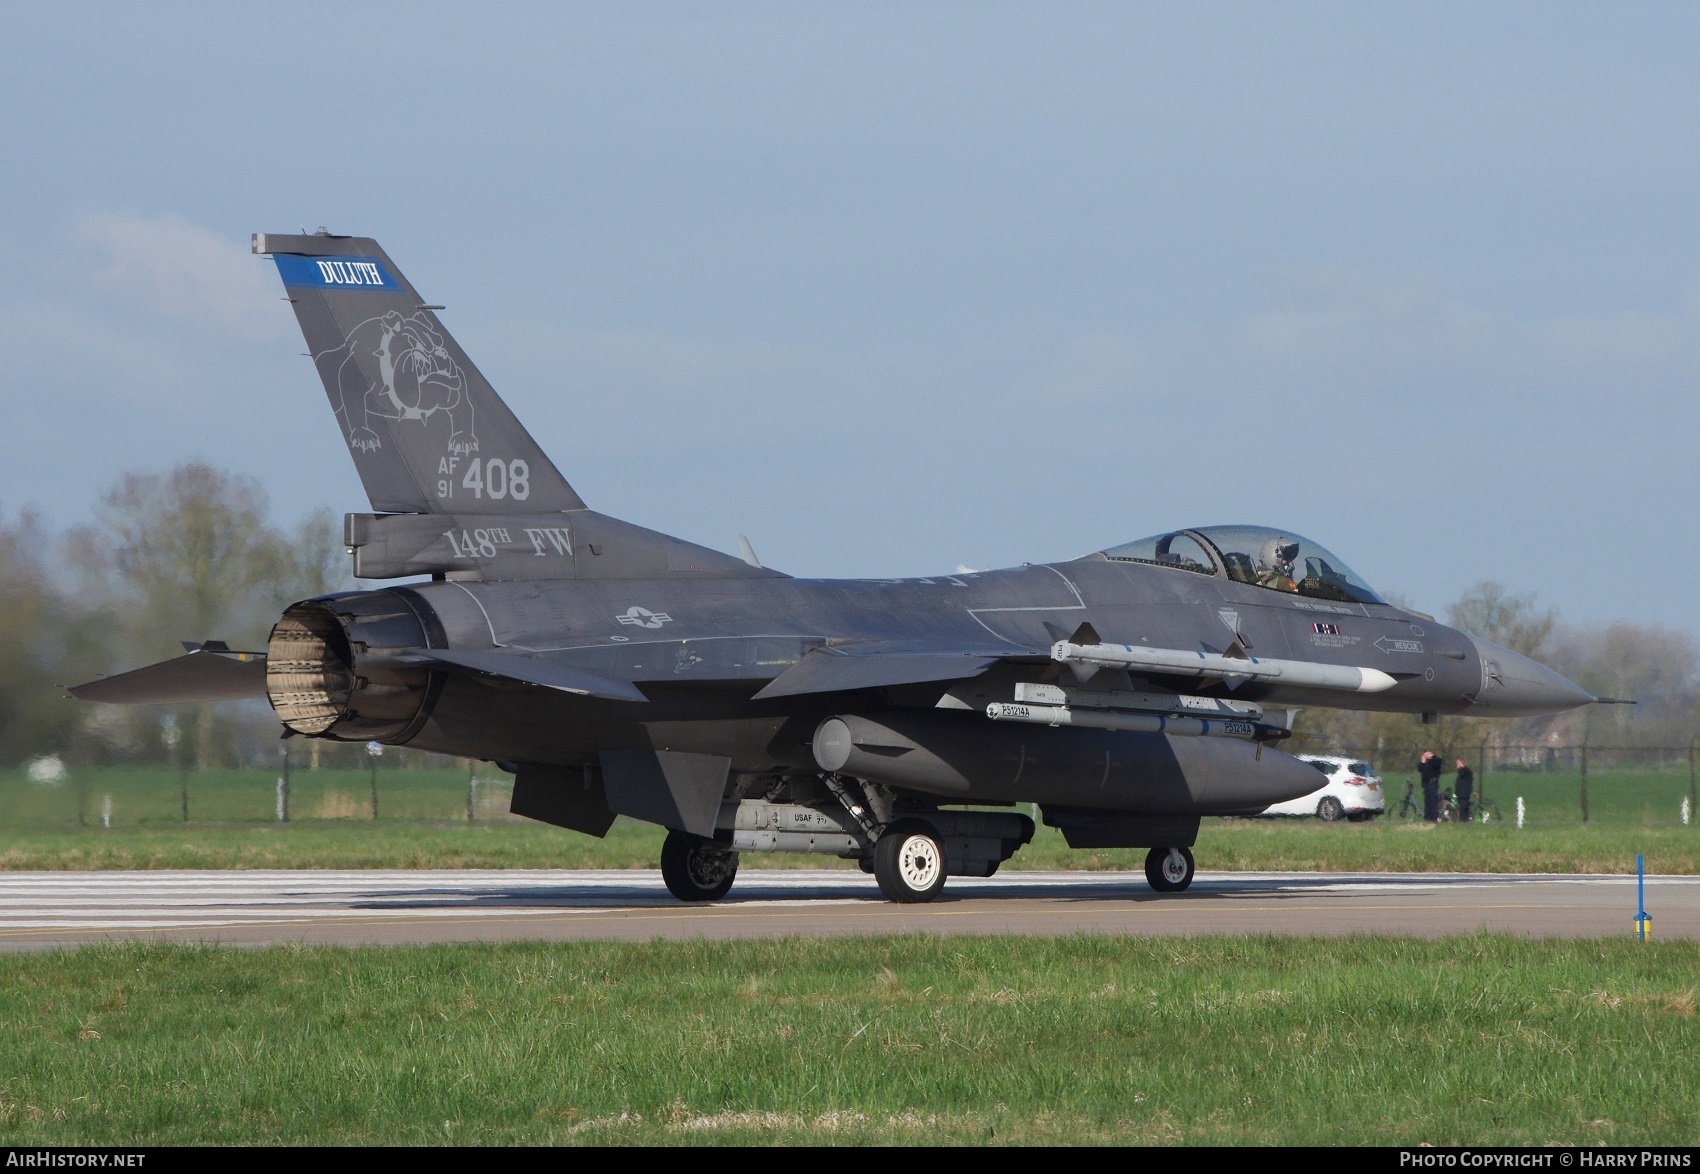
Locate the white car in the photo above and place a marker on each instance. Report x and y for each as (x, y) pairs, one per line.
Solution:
(1353, 791)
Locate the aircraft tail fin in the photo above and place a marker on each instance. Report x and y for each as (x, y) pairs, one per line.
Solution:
(427, 432)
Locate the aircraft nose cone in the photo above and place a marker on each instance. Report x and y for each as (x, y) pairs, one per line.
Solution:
(1515, 686)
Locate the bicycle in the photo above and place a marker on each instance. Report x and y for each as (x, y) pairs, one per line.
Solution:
(1485, 811)
(1481, 810)
(1448, 807)
(1410, 807)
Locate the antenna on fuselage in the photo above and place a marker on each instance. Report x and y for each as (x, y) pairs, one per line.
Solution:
(748, 551)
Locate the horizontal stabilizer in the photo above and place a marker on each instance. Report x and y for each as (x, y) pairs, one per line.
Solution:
(536, 668)
(200, 676)
(826, 670)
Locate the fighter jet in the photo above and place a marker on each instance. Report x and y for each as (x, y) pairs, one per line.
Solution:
(901, 723)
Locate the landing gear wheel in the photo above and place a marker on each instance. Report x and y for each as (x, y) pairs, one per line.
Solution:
(1331, 809)
(1169, 869)
(909, 862)
(696, 869)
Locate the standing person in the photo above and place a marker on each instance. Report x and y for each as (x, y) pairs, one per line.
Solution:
(1429, 767)
(1463, 789)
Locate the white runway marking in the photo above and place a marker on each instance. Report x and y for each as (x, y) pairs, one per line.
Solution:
(132, 901)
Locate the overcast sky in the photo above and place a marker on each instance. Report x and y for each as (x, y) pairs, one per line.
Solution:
(899, 288)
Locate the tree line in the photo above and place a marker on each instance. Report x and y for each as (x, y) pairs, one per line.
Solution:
(192, 554)
(188, 554)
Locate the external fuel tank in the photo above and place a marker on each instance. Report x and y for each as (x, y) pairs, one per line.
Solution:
(967, 758)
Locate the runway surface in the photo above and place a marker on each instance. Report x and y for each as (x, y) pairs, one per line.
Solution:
(40, 910)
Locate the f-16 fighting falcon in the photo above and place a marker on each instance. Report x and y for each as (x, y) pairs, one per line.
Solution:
(897, 722)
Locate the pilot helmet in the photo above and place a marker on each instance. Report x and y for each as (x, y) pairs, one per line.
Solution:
(1280, 552)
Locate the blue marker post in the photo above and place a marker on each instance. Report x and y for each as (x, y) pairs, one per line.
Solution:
(1643, 923)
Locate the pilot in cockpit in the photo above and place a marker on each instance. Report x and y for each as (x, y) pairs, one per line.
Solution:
(1275, 564)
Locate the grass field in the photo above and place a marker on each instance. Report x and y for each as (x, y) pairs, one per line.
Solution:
(908, 1040)
(150, 796)
(423, 824)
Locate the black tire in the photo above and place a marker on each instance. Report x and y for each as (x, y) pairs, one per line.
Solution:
(909, 862)
(696, 869)
(1163, 869)
(1331, 810)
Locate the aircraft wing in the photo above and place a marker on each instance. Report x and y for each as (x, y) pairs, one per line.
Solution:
(874, 665)
(202, 675)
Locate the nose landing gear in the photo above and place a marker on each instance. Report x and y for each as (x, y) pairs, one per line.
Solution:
(1169, 869)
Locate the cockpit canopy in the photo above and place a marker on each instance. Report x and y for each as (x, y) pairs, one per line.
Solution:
(1278, 560)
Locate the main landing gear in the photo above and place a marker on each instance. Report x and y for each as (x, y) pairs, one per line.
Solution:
(696, 869)
(910, 852)
(1169, 869)
(909, 862)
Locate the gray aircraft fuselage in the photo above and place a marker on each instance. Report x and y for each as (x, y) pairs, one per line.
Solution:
(617, 670)
(720, 640)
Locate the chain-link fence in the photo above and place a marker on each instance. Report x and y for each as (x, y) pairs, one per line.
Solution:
(1555, 784)
(392, 787)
